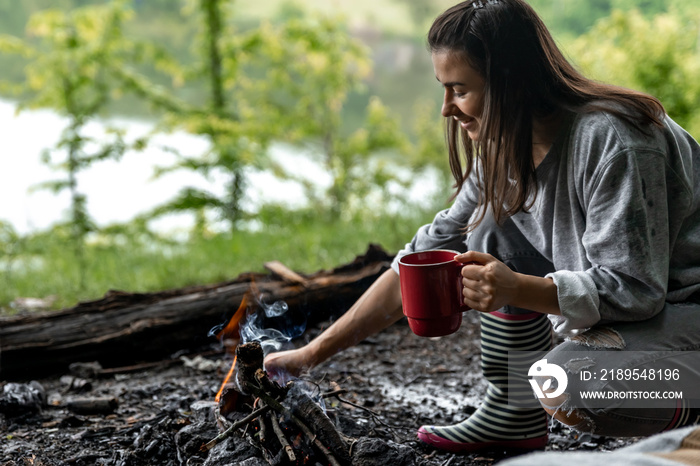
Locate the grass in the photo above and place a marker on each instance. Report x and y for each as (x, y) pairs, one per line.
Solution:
(45, 265)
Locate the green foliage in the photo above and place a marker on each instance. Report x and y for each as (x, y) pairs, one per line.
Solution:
(233, 141)
(422, 12)
(130, 258)
(311, 66)
(658, 56)
(284, 82)
(235, 120)
(69, 72)
(11, 247)
(429, 150)
(571, 18)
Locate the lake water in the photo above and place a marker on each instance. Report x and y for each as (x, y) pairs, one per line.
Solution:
(116, 191)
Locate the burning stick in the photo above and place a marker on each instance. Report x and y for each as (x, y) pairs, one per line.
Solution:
(274, 404)
(231, 331)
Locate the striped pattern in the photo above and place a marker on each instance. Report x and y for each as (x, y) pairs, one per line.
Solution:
(687, 414)
(510, 411)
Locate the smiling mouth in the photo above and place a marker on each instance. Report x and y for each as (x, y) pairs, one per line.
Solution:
(466, 125)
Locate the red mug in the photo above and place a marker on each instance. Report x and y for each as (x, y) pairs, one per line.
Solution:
(431, 292)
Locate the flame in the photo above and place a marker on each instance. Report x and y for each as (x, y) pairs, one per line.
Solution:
(228, 376)
(231, 331)
(231, 328)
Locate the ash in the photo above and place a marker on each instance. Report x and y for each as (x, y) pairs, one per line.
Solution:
(393, 382)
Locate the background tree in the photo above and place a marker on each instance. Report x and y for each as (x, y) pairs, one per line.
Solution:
(312, 65)
(570, 18)
(69, 72)
(659, 56)
(238, 126)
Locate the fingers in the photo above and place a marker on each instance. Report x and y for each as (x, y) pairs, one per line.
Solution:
(474, 257)
(487, 282)
(287, 363)
(479, 297)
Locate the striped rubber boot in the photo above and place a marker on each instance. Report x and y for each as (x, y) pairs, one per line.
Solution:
(500, 422)
(687, 414)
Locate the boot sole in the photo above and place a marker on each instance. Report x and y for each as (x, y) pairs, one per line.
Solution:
(536, 443)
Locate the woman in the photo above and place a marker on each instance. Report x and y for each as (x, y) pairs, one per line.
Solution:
(577, 203)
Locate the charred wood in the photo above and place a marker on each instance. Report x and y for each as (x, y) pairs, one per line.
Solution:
(305, 408)
(106, 405)
(288, 450)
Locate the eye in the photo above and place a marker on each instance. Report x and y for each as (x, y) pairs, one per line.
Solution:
(459, 91)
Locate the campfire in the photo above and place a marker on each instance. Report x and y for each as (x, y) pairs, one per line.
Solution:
(286, 423)
(278, 420)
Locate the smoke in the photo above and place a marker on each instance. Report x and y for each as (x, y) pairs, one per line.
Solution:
(274, 328)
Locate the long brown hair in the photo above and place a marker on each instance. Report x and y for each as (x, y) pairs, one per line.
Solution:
(527, 77)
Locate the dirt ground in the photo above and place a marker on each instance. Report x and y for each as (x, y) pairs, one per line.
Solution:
(395, 381)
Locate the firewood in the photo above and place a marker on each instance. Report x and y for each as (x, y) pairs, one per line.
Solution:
(281, 270)
(317, 443)
(262, 428)
(235, 426)
(305, 408)
(288, 450)
(252, 379)
(249, 358)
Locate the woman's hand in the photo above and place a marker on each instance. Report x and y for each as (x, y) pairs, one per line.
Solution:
(377, 308)
(286, 363)
(489, 284)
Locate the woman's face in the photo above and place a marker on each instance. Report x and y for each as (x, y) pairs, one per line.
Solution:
(464, 90)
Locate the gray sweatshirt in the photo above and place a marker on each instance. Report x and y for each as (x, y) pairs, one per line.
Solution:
(617, 213)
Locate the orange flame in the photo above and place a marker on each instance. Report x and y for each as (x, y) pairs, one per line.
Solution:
(231, 331)
(231, 328)
(228, 376)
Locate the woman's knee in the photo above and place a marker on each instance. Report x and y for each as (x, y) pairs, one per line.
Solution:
(563, 398)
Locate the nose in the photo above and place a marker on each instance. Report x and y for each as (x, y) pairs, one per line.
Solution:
(448, 107)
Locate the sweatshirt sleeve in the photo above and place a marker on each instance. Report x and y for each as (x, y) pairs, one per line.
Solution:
(447, 229)
(626, 242)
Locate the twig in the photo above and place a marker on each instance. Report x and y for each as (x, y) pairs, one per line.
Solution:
(335, 393)
(262, 428)
(283, 440)
(367, 410)
(377, 418)
(227, 433)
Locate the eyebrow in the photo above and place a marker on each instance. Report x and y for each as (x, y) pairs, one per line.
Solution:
(450, 84)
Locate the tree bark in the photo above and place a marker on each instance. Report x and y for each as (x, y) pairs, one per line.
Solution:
(127, 328)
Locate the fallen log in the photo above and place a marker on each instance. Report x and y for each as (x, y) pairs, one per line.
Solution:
(129, 328)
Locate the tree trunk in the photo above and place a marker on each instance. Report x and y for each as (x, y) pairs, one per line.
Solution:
(127, 328)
